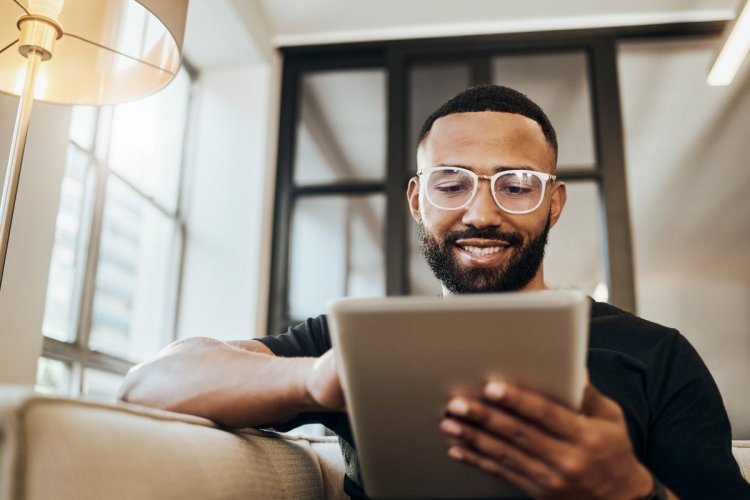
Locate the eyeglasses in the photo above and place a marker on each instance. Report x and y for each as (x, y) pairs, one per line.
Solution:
(515, 191)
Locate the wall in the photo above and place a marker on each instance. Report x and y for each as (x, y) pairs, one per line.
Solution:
(225, 204)
(687, 149)
(24, 285)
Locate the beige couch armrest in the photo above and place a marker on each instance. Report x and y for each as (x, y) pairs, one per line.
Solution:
(741, 451)
(68, 449)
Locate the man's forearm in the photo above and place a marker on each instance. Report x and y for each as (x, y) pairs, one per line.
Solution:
(231, 386)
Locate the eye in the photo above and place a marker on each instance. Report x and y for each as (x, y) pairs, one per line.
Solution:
(452, 187)
(514, 190)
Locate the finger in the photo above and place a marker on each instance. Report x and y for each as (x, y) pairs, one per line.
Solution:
(549, 415)
(509, 427)
(495, 468)
(597, 404)
(495, 448)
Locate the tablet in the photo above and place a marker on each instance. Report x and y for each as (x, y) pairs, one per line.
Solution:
(401, 358)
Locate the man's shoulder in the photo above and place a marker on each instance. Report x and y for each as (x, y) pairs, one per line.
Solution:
(615, 329)
(623, 346)
(613, 317)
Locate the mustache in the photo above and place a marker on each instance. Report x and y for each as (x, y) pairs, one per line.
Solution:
(488, 233)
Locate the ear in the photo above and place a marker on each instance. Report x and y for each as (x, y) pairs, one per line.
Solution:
(412, 196)
(558, 199)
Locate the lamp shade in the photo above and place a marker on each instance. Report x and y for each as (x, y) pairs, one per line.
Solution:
(110, 50)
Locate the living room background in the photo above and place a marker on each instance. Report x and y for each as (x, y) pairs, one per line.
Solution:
(685, 151)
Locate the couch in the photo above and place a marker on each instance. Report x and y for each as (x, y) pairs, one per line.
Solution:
(64, 449)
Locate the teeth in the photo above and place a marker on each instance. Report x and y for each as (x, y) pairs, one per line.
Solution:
(482, 250)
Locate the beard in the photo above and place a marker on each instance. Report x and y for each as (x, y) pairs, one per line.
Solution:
(513, 275)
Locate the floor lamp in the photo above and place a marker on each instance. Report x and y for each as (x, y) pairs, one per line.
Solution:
(91, 52)
(735, 45)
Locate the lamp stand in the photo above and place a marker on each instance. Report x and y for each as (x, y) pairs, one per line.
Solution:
(13, 174)
(35, 42)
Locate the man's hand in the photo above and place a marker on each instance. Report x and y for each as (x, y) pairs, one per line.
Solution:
(545, 449)
(323, 384)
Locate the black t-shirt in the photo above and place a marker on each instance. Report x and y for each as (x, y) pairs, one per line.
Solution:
(675, 415)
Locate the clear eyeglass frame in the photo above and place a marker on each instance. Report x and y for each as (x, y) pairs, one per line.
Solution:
(543, 177)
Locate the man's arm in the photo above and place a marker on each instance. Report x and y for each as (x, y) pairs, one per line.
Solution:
(235, 384)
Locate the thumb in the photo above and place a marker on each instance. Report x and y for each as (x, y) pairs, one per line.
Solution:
(596, 404)
(327, 382)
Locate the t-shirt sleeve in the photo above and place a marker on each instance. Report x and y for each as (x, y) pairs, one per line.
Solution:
(689, 444)
(310, 338)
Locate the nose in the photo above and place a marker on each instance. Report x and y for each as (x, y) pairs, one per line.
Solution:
(482, 211)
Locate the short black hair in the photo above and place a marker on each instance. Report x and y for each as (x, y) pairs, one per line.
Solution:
(493, 98)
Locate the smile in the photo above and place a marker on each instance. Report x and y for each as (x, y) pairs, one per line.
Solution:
(482, 250)
(478, 252)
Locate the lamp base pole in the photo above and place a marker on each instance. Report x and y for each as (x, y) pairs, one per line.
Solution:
(13, 174)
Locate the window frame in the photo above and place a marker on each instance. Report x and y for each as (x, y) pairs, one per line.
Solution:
(396, 58)
(77, 354)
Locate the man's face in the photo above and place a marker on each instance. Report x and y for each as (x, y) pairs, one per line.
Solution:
(482, 248)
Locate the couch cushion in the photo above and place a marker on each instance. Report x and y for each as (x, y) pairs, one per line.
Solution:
(66, 449)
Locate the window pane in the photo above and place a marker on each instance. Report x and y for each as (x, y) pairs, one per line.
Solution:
(83, 126)
(100, 385)
(146, 141)
(559, 84)
(341, 129)
(133, 302)
(431, 85)
(69, 252)
(337, 250)
(574, 253)
(52, 377)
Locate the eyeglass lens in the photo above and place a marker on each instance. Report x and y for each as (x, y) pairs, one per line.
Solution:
(513, 191)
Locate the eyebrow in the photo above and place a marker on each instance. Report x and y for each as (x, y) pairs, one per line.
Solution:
(500, 168)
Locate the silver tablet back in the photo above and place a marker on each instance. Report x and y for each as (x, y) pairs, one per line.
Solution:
(401, 359)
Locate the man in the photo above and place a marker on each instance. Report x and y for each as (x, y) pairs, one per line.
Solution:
(484, 197)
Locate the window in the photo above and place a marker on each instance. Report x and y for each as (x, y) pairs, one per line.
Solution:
(339, 205)
(349, 121)
(119, 238)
